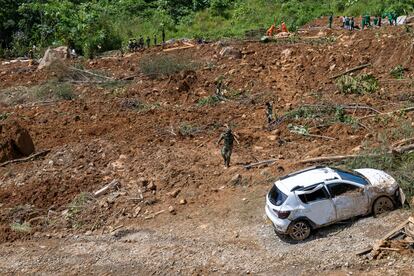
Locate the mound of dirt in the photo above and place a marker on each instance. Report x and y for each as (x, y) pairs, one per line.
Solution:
(15, 141)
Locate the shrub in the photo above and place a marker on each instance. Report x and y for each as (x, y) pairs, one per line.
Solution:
(210, 100)
(362, 84)
(165, 65)
(54, 90)
(21, 227)
(397, 72)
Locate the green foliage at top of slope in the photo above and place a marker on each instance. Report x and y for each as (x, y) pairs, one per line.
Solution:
(98, 25)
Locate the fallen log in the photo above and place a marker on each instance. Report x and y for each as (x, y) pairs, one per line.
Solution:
(188, 46)
(402, 142)
(408, 109)
(270, 161)
(399, 150)
(335, 158)
(28, 158)
(111, 185)
(91, 73)
(351, 70)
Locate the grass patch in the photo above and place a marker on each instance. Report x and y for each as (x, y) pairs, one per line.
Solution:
(21, 227)
(187, 129)
(397, 72)
(362, 84)
(209, 101)
(54, 90)
(165, 65)
(327, 114)
(4, 116)
(79, 203)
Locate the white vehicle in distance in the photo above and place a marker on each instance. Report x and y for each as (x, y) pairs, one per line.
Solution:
(318, 196)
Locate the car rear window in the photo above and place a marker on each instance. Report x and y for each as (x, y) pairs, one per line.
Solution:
(276, 197)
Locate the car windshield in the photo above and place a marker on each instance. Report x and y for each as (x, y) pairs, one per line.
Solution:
(351, 176)
(276, 197)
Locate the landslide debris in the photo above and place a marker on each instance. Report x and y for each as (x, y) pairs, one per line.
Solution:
(15, 141)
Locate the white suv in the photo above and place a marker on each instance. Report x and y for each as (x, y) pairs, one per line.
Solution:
(318, 196)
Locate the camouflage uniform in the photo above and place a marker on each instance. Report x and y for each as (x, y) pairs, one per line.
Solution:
(155, 40)
(148, 41)
(141, 42)
(227, 149)
(269, 112)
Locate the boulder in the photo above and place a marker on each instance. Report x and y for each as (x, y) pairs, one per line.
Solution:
(52, 55)
(15, 141)
(230, 52)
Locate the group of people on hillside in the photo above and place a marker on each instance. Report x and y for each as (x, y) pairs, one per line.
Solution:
(367, 21)
(138, 44)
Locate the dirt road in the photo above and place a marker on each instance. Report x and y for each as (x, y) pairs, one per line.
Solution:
(220, 238)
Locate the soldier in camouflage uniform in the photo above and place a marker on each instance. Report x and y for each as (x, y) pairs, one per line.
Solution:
(269, 113)
(228, 136)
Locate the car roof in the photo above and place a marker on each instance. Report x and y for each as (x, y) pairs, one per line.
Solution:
(306, 178)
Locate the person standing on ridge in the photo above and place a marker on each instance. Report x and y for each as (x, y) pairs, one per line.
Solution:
(148, 41)
(330, 21)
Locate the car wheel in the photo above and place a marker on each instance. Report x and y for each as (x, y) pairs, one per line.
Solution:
(299, 230)
(382, 205)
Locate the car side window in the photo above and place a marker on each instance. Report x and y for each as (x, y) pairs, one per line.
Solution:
(337, 189)
(319, 194)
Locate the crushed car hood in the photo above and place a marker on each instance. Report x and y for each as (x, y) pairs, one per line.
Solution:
(378, 178)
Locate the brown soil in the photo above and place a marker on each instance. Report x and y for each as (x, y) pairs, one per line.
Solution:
(99, 136)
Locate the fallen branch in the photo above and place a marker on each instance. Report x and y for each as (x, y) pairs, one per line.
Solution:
(90, 73)
(28, 158)
(154, 215)
(402, 142)
(408, 109)
(188, 45)
(111, 185)
(351, 70)
(360, 107)
(336, 158)
(270, 161)
(315, 136)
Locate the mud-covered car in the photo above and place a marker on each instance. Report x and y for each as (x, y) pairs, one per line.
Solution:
(318, 196)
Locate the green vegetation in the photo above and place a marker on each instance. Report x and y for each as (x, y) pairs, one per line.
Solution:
(21, 227)
(54, 90)
(325, 114)
(97, 26)
(165, 65)
(361, 84)
(397, 72)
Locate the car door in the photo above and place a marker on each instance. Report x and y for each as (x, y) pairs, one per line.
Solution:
(316, 204)
(349, 199)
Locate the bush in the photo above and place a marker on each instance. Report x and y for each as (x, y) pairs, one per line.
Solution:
(361, 84)
(165, 65)
(397, 72)
(54, 90)
(210, 100)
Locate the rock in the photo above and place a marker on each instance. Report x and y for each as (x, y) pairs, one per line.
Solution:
(152, 186)
(272, 137)
(171, 209)
(143, 182)
(53, 55)
(236, 180)
(412, 202)
(174, 193)
(286, 53)
(276, 132)
(15, 141)
(369, 135)
(137, 211)
(230, 52)
(183, 201)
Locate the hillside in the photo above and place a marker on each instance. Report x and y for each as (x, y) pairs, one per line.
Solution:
(92, 27)
(175, 208)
